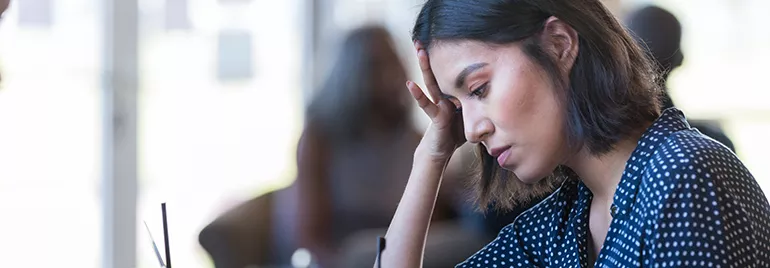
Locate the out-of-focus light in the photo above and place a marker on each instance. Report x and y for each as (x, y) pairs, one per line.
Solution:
(301, 258)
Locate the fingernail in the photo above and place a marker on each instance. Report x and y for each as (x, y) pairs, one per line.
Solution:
(408, 83)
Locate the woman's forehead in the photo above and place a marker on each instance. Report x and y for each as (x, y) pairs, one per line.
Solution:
(459, 50)
(448, 59)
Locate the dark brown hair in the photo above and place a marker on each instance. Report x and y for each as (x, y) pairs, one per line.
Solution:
(342, 108)
(613, 89)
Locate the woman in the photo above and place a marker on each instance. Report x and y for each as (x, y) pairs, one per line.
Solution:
(557, 93)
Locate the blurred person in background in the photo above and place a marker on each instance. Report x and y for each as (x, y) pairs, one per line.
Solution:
(355, 152)
(660, 33)
(353, 160)
(355, 156)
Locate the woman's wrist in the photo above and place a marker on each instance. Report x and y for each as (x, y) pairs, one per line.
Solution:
(430, 157)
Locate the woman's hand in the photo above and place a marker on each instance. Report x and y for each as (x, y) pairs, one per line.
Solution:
(445, 133)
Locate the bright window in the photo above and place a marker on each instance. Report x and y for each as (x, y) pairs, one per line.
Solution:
(50, 137)
(219, 115)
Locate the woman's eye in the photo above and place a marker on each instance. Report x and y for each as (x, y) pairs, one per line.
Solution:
(479, 91)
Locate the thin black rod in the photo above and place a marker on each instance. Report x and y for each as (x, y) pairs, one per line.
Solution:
(165, 236)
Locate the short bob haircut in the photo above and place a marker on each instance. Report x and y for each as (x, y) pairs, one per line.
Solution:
(612, 90)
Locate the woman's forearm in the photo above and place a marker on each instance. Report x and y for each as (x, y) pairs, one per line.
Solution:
(409, 227)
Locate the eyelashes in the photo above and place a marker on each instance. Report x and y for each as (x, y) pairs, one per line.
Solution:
(479, 91)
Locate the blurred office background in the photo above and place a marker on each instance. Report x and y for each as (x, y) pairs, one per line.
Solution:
(217, 90)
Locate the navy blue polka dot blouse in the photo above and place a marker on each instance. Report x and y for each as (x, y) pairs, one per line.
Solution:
(684, 201)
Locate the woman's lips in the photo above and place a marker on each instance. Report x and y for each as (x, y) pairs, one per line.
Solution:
(503, 156)
(501, 153)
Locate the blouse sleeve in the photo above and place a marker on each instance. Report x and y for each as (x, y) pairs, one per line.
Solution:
(706, 212)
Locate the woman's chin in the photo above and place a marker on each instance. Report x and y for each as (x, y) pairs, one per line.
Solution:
(530, 180)
(529, 177)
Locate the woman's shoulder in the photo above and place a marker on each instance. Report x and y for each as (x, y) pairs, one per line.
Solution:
(690, 168)
(689, 151)
(696, 187)
(688, 157)
(673, 151)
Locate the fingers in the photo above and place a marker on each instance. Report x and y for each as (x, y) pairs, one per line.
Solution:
(446, 108)
(446, 114)
(427, 73)
(450, 120)
(427, 106)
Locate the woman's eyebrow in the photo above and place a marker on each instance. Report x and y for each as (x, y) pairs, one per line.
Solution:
(460, 80)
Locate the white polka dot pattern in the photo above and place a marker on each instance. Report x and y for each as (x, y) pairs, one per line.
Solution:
(684, 201)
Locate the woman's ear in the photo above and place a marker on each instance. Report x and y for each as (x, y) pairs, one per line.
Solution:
(560, 40)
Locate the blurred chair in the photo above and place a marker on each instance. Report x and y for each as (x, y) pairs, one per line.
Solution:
(242, 236)
(256, 233)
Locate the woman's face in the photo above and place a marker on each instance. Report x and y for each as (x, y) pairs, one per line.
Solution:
(509, 104)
